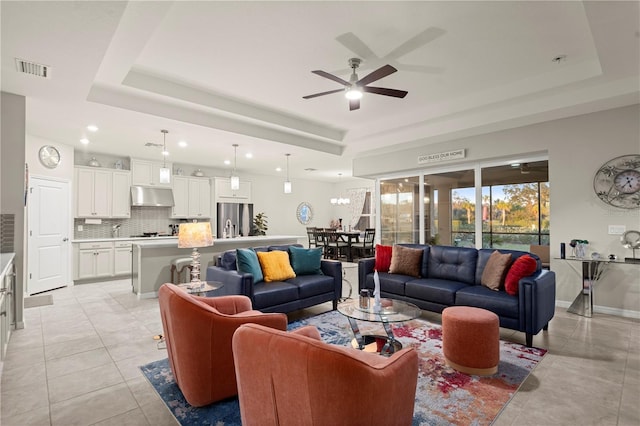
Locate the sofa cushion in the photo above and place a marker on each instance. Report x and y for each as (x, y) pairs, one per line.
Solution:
(495, 270)
(383, 258)
(273, 293)
(389, 283)
(275, 265)
(312, 285)
(228, 260)
(248, 262)
(306, 261)
(434, 290)
(406, 261)
(497, 302)
(453, 263)
(522, 267)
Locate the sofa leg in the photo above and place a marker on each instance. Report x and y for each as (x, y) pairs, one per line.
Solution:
(546, 327)
(335, 304)
(529, 339)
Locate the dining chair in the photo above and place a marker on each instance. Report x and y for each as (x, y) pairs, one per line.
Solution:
(313, 236)
(366, 248)
(333, 244)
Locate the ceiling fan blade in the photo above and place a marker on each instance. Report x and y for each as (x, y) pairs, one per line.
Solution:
(315, 95)
(415, 42)
(357, 46)
(376, 75)
(384, 91)
(354, 104)
(331, 77)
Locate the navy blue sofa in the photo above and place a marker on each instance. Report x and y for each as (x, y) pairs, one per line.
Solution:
(450, 276)
(296, 293)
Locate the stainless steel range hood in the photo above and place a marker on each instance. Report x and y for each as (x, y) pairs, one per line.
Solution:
(148, 196)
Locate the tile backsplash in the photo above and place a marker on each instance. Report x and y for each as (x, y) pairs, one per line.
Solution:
(143, 219)
(7, 233)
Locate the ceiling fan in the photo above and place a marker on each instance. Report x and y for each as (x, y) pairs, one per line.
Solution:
(354, 88)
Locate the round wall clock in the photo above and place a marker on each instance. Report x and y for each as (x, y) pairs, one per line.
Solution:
(617, 182)
(49, 156)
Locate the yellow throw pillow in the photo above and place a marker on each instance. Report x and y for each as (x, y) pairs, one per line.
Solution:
(275, 265)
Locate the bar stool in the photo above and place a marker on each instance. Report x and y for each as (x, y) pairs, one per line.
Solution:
(177, 268)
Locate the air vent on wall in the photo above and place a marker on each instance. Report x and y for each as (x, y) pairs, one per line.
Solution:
(32, 68)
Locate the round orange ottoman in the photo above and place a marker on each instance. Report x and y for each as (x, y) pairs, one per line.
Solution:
(471, 340)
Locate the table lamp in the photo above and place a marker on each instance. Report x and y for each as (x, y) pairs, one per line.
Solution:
(194, 235)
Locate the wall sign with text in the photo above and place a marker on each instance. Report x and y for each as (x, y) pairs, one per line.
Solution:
(442, 156)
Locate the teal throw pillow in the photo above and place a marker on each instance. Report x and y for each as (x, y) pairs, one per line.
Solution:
(306, 261)
(247, 261)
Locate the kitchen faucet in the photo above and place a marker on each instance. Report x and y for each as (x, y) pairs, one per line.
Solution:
(115, 231)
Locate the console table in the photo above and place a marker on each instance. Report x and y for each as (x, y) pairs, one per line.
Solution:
(591, 271)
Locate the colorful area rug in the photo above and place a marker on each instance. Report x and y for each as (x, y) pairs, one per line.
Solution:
(443, 396)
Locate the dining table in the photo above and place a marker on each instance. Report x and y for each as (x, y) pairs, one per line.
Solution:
(349, 237)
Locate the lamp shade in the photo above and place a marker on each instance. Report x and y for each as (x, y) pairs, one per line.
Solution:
(197, 234)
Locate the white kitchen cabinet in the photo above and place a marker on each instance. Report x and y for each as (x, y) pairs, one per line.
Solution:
(122, 258)
(192, 197)
(199, 198)
(7, 289)
(121, 194)
(147, 173)
(102, 193)
(93, 192)
(180, 208)
(94, 260)
(224, 193)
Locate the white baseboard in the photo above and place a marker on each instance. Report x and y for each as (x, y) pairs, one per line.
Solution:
(627, 313)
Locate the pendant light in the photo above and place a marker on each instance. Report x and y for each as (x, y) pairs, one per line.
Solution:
(165, 172)
(287, 183)
(235, 180)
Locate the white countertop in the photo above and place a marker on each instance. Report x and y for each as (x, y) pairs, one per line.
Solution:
(5, 260)
(95, 240)
(156, 242)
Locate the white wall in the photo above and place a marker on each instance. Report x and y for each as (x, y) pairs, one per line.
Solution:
(576, 148)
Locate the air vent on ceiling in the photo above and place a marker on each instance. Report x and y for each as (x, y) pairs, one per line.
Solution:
(310, 169)
(33, 68)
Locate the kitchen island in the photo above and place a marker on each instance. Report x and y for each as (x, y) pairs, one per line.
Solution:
(151, 258)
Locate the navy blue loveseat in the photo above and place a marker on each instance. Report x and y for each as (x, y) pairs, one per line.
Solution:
(451, 276)
(296, 293)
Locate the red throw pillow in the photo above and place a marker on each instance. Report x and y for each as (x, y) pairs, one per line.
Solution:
(522, 267)
(383, 258)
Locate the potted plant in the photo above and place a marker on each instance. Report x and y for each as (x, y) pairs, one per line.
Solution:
(260, 224)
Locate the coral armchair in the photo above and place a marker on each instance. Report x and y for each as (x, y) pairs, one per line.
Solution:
(198, 331)
(296, 379)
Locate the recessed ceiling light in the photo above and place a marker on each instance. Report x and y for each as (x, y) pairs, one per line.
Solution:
(248, 155)
(92, 128)
(165, 153)
(182, 144)
(278, 169)
(84, 141)
(559, 58)
(227, 162)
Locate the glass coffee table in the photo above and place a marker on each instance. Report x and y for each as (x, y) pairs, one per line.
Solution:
(390, 311)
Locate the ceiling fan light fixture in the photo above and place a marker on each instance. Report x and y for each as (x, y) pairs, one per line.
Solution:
(353, 93)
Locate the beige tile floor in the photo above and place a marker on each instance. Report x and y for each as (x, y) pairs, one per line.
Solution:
(76, 363)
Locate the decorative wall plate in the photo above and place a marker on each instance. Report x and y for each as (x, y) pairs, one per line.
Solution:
(617, 182)
(304, 213)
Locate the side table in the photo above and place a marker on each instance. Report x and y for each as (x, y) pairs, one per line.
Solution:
(202, 288)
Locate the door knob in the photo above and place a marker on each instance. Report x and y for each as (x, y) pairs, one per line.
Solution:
(65, 239)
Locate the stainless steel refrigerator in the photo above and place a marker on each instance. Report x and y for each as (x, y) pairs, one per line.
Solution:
(234, 220)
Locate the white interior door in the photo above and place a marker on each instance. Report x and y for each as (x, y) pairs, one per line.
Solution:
(49, 242)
